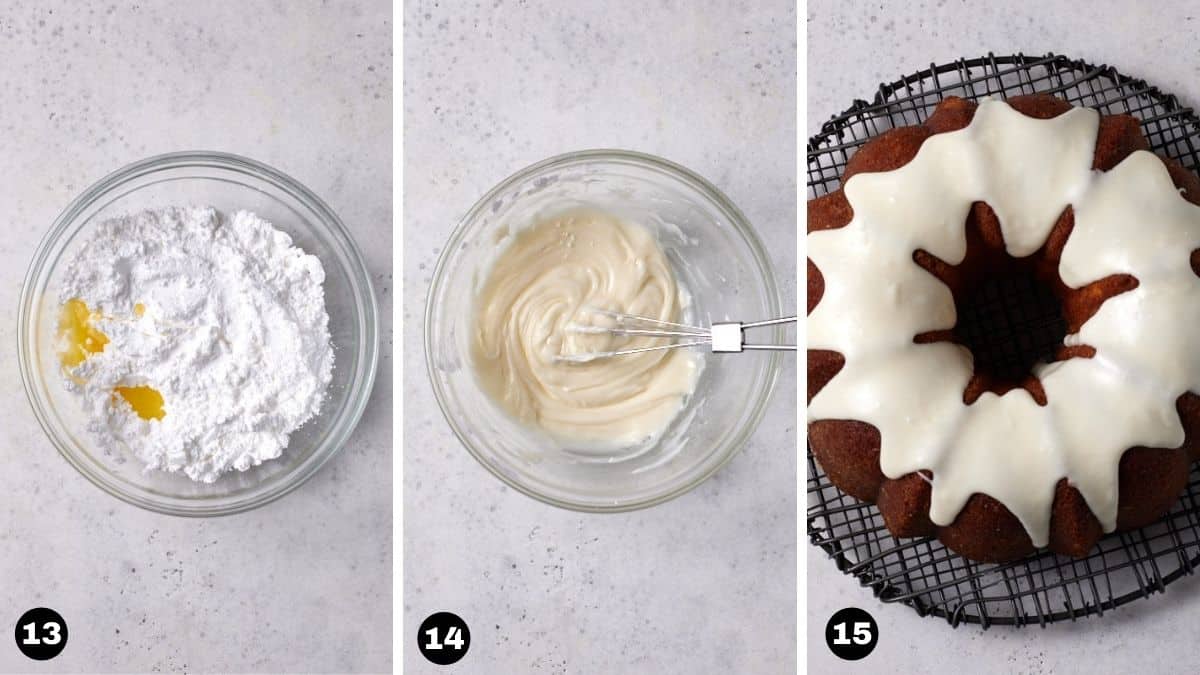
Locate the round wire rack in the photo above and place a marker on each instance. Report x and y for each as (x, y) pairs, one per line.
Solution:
(921, 573)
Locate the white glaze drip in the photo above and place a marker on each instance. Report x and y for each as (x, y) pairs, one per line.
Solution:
(1130, 220)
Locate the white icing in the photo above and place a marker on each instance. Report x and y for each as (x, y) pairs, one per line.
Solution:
(1130, 220)
(534, 314)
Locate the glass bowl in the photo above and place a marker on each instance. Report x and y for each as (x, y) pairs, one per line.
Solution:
(228, 183)
(715, 254)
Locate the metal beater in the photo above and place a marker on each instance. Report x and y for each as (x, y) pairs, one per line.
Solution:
(723, 338)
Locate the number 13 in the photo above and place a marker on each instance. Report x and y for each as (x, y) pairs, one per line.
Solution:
(51, 627)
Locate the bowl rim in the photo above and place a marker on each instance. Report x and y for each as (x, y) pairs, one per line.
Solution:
(361, 386)
(736, 219)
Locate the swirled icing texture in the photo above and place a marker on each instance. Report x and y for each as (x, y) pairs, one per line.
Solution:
(1129, 220)
(543, 285)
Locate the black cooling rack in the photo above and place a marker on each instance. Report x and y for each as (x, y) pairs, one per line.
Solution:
(921, 573)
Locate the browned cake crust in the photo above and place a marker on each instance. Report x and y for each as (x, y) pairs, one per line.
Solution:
(1150, 479)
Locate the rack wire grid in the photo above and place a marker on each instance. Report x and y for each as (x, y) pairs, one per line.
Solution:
(921, 573)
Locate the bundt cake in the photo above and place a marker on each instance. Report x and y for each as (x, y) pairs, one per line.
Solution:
(910, 410)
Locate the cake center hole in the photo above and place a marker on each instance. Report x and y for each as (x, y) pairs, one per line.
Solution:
(1010, 323)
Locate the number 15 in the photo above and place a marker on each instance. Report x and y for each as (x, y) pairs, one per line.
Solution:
(862, 633)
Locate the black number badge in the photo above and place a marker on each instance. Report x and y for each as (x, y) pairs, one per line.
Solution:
(443, 638)
(41, 634)
(851, 633)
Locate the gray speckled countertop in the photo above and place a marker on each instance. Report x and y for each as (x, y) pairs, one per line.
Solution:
(303, 583)
(706, 582)
(852, 48)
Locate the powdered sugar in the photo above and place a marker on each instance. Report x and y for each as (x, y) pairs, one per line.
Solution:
(232, 331)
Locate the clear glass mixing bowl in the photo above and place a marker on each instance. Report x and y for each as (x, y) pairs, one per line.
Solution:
(229, 183)
(716, 255)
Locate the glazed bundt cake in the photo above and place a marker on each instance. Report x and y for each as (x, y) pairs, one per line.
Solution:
(1089, 432)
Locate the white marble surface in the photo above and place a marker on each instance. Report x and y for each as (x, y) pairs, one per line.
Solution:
(301, 584)
(851, 49)
(706, 582)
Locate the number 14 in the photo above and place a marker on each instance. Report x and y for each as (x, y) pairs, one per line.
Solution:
(453, 638)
